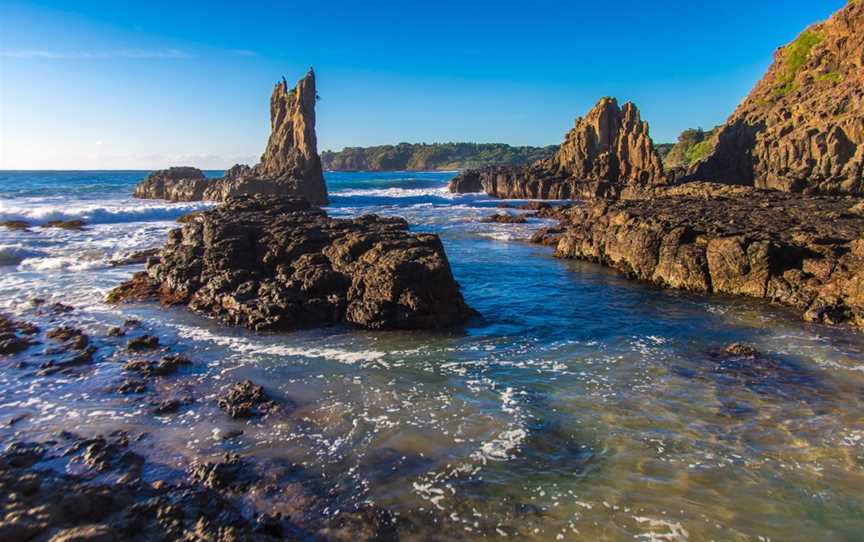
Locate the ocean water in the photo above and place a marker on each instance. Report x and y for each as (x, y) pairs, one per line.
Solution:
(580, 406)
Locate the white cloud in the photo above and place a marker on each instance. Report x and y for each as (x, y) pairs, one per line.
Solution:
(97, 55)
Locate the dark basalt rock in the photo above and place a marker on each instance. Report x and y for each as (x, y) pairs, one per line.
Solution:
(16, 225)
(135, 257)
(144, 342)
(741, 350)
(66, 224)
(803, 251)
(290, 164)
(505, 219)
(222, 474)
(246, 400)
(73, 338)
(277, 263)
(15, 335)
(168, 365)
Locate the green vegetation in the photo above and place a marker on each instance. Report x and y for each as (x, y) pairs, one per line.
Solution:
(663, 149)
(693, 144)
(794, 56)
(431, 157)
(699, 151)
(834, 77)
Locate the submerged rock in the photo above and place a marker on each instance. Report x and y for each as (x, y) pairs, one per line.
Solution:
(144, 342)
(15, 335)
(66, 224)
(741, 350)
(802, 251)
(606, 153)
(290, 164)
(272, 263)
(168, 365)
(16, 225)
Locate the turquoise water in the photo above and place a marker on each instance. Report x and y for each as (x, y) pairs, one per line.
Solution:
(579, 406)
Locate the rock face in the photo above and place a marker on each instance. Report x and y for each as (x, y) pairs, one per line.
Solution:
(289, 166)
(802, 251)
(607, 152)
(277, 263)
(801, 129)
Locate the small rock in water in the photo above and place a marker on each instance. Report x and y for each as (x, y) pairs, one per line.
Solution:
(16, 225)
(246, 400)
(66, 224)
(741, 350)
(131, 386)
(221, 475)
(137, 257)
(144, 342)
(505, 219)
(166, 366)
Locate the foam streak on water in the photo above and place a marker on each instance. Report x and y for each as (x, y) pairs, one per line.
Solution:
(581, 406)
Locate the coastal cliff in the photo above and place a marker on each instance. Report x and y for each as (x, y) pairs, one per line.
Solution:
(278, 263)
(290, 164)
(606, 153)
(801, 129)
(803, 251)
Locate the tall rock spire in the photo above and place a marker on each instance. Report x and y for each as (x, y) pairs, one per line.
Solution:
(610, 143)
(290, 164)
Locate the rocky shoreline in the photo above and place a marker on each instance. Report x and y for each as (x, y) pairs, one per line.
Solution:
(278, 263)
(108, 486)
(806, 252)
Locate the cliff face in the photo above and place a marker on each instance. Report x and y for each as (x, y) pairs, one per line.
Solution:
(607, 152)
(801, 129)
(289, 166)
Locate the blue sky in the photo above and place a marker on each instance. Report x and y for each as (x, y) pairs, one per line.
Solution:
(108, 85)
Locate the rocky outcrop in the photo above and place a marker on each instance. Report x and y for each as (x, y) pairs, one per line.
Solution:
(801, 129)
(278, 263)
(606, 153)
(289, 166)
(803, 251)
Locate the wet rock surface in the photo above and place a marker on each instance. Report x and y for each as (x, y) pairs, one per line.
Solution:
(16, 225)
(505, 219)
(106, 486)
(106, 499)
(246, 400)
(272, 263)
(290, 164)
(606, 153)
(66, 224)
(803, 251)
